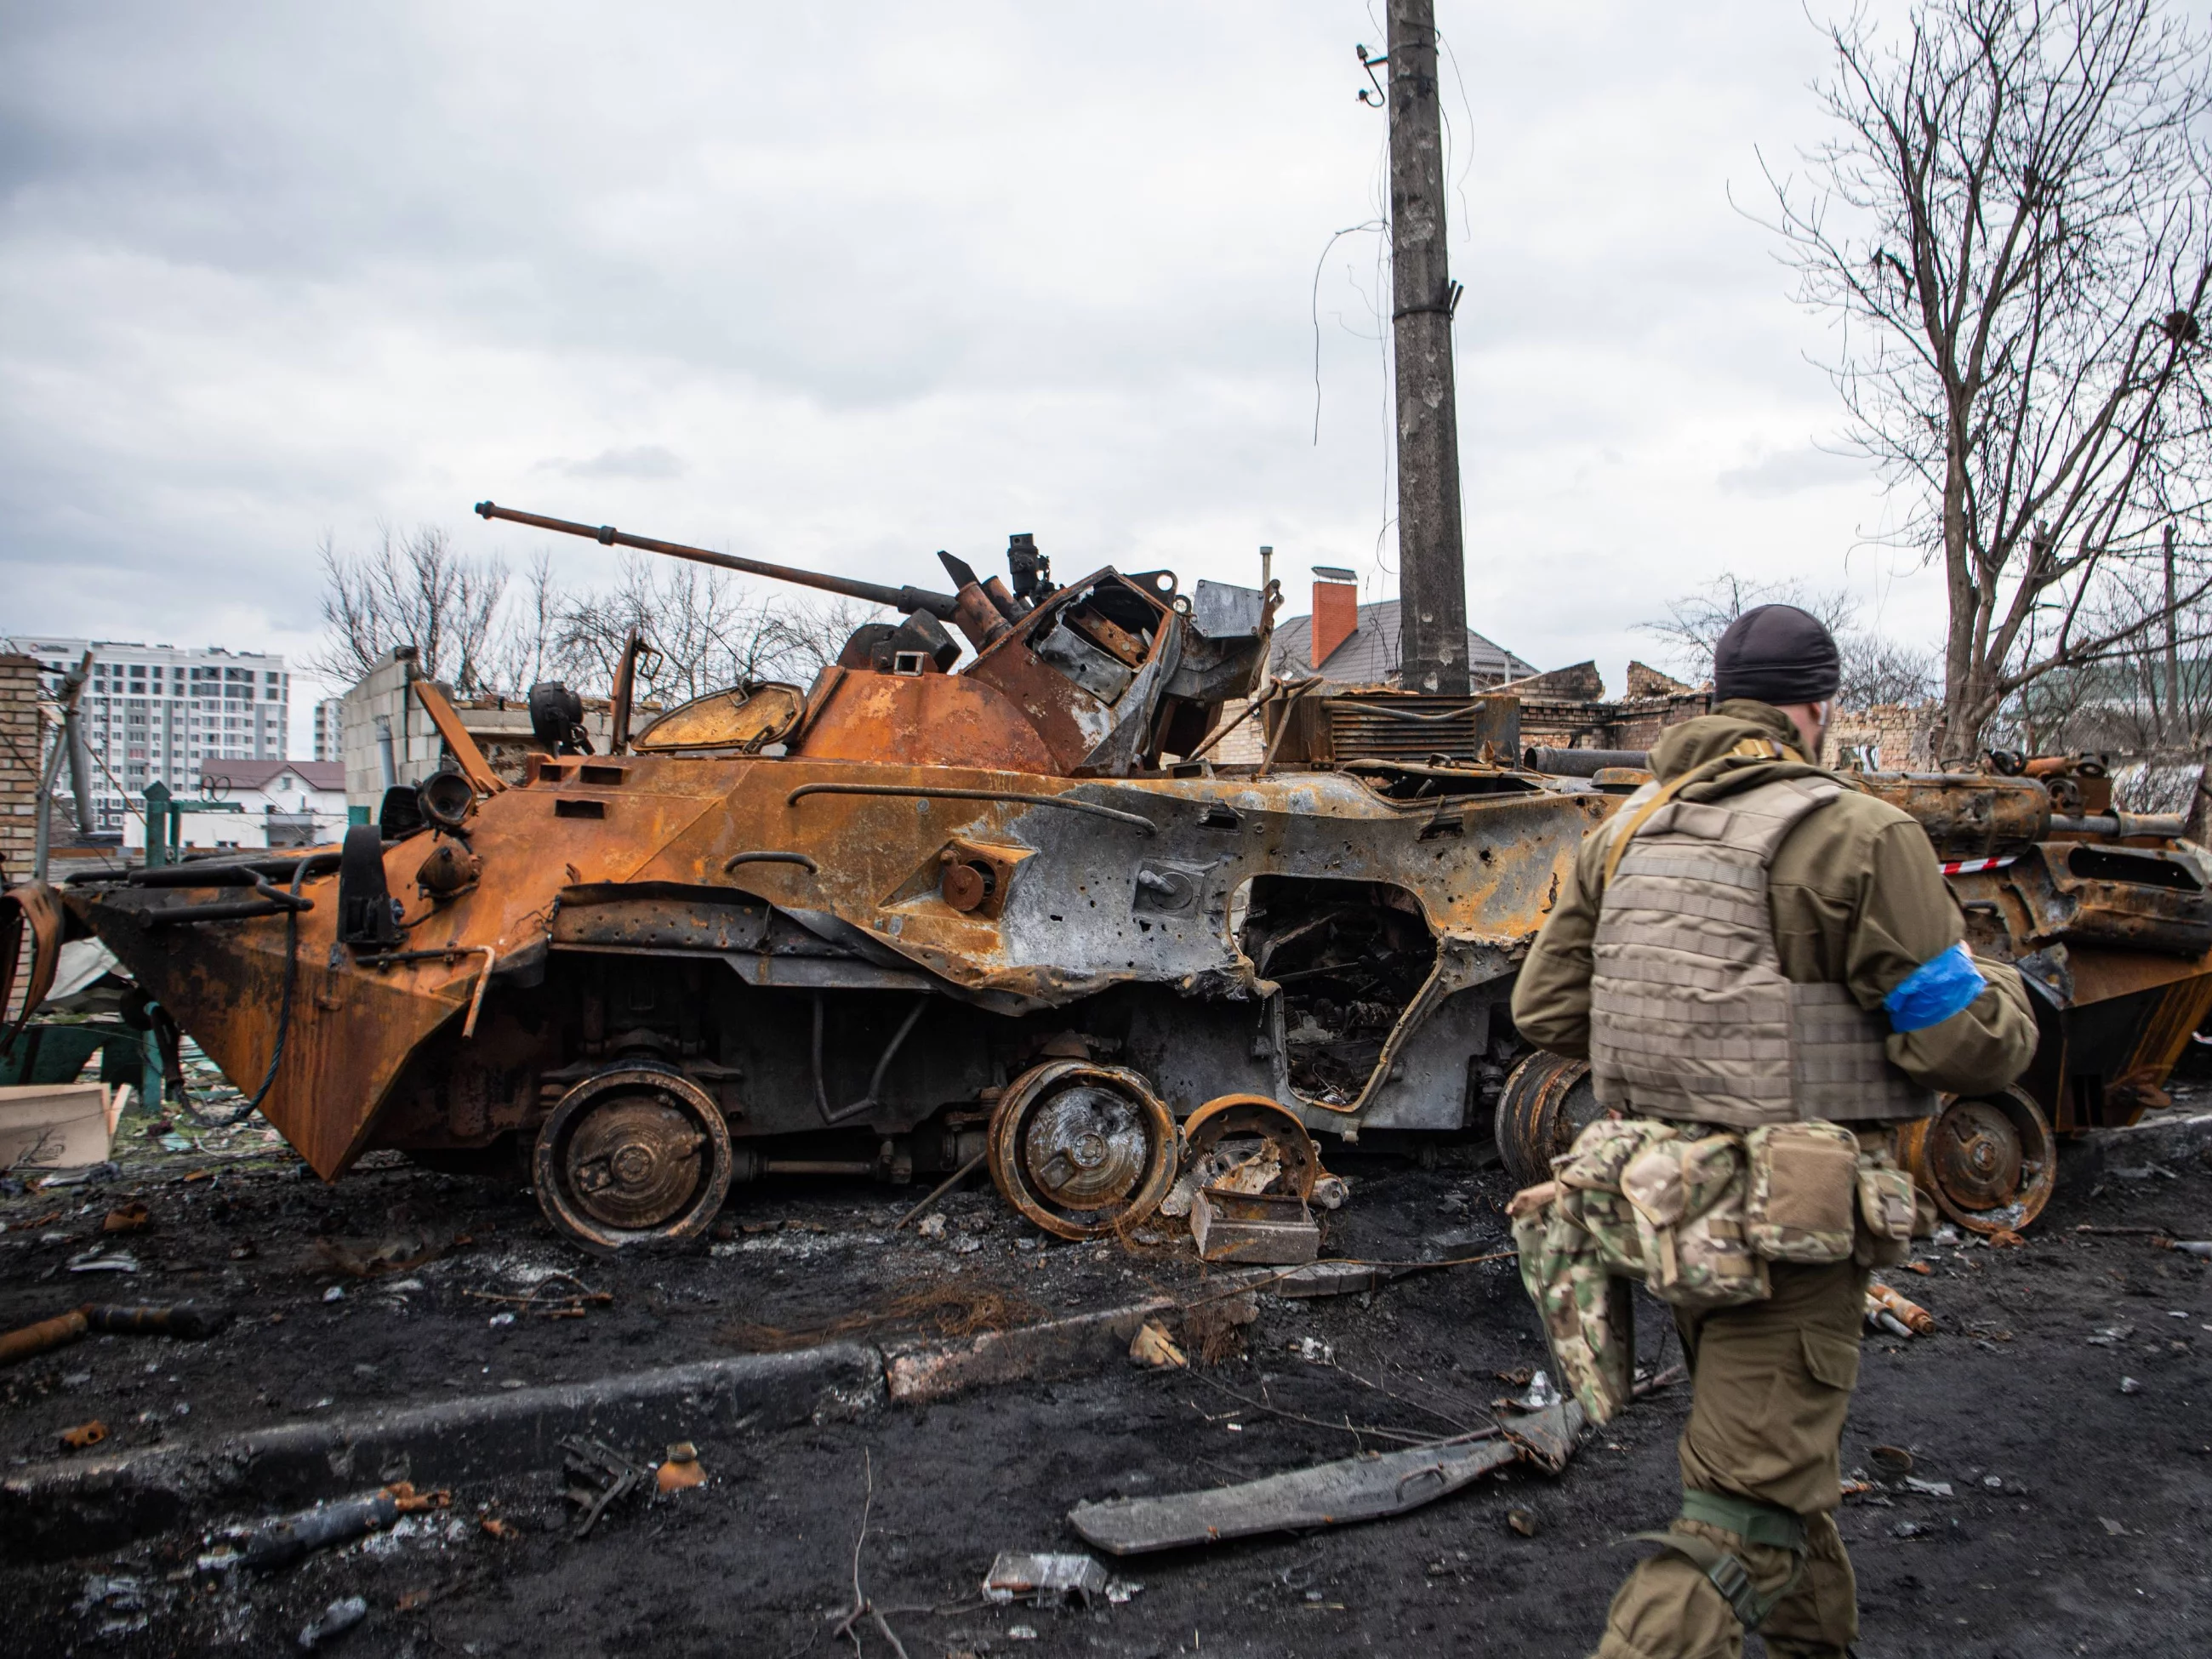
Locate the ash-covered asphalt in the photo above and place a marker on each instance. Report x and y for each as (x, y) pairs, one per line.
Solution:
(2077, 1522)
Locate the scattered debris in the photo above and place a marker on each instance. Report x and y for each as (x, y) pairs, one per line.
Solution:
(337, 1619)
(2199, 1248)
(130, 1218)
(1043, 1579)
(600, 1476)
(84, 1434)
(361, 1258)
(544, 1298)
(283, 1541)
(1154, 1347)
(1523, 1522)
(2128, 1385)
(1893, 1462)
(1259, 1227)
(493, 1526)
(1339, 1493)
(1313, 1350)
(930, 1227)
(2113, 1529)
(681, 1469)
(92, 1262)
(1928, 1488)
(940, 1191)
(1917, 1319)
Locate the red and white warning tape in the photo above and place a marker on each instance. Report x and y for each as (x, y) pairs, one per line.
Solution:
(1974, 866)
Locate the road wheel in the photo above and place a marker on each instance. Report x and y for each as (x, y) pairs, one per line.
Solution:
(1990, 1163)
(1547, 1101)
(1082, 1150)
(633, 1156)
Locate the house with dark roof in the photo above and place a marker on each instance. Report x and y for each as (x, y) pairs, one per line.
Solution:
(1356, 644)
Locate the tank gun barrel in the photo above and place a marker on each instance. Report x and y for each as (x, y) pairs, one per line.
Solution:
(906, 600)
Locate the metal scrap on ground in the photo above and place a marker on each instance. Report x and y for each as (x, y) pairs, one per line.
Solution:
(1353, 1489)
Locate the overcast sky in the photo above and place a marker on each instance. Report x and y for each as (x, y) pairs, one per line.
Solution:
(842, 285)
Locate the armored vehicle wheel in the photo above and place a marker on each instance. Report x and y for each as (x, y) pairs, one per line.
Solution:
(1546, 1101)
(1234, 1117)
(1989, 1163)
(1082, 1150)
(631, 1155)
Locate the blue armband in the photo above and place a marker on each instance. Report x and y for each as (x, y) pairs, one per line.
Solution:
(1935, 990)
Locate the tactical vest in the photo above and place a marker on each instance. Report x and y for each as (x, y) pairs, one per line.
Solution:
(1690, 1014)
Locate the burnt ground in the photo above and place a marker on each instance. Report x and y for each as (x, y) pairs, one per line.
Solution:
(2078, 1521)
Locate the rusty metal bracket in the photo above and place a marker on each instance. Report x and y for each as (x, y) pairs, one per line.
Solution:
(1061, 801)
(462, 747)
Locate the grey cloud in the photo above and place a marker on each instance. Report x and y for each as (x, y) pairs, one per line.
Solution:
(645, 461)
(1786, 472)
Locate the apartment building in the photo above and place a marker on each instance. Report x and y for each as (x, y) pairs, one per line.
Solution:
(157, 712)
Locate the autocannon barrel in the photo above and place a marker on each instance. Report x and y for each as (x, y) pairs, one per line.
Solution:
(906, 600)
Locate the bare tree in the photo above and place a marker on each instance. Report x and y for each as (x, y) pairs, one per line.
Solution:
(1876, 669)
(414, 590)
(708, 632)
(2013, 228)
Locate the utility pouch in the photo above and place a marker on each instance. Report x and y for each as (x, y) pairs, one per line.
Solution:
(1804, 1182)
(1888, 1211)
(1588, 1318)
(1589, 1179)
(1689, 1200)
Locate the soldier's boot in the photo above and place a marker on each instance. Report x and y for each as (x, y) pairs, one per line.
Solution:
(1731, 1565)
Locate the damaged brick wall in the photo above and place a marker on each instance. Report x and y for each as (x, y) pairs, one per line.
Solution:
(1890, 737)
(21, 744)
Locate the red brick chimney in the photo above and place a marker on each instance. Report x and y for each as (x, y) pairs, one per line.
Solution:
(1335, 611)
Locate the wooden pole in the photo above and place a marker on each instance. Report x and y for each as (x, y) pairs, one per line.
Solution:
(1432, 578)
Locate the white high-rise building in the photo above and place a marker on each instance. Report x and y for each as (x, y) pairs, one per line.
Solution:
(330, 729)
(154, 712)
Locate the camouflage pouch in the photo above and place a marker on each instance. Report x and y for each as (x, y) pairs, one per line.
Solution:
(1688, 1196)
(1589, 1181)
(1566, 1277)
(1888, 1211)
(1801, 1194)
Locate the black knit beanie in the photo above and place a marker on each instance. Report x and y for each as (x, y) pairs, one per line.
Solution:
(1776, 654)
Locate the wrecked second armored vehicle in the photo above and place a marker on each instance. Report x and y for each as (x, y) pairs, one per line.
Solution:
(889, 924)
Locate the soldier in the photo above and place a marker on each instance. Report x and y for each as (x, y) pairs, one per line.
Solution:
(1752, 941)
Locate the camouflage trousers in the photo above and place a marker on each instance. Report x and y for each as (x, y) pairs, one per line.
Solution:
(1772, 1383)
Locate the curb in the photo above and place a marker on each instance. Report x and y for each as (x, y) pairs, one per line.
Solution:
(57, 1509)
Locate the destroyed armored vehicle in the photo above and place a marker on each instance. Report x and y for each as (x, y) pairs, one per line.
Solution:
(921, 912)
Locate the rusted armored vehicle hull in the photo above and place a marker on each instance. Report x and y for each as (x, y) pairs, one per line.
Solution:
(892, 924)
(763, 951)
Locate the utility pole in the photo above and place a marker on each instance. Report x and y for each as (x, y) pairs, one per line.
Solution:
(1432, 575)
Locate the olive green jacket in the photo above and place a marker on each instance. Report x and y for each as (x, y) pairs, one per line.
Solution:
(1858, 900)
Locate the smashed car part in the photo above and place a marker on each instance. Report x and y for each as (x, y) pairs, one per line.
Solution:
(1340, 1493)
(1991, 1164)
(280, 1543)
(1082, 1150)
(680, 1469)
(182, 1321)
(1916, 1320)
(1546, 1101)
(601, 1477)
(1263, 1228)
(341, 1616)
(1043, 1580)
